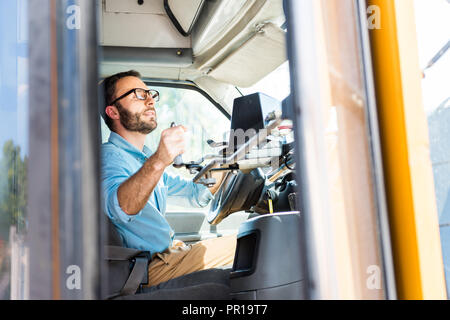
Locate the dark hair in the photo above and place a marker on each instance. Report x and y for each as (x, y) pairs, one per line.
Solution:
(109, 89)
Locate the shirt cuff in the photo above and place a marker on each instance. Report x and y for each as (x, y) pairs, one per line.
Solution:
(205, 196)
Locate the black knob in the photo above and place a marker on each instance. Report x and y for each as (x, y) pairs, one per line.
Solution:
(140, 2)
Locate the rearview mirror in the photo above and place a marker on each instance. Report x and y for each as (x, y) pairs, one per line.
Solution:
(183, 13)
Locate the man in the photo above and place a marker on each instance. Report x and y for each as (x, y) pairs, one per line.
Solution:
(136, 188)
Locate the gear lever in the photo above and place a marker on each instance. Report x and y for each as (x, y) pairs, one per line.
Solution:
(208, 181)
(178, 161)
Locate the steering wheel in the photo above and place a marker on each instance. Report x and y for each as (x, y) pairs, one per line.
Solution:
(238, 192)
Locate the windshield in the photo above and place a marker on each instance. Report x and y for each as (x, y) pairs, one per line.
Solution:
(276, 84)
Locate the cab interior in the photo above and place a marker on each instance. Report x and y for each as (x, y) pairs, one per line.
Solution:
(219, 66)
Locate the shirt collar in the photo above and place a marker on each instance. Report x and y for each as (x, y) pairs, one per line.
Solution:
(123, 144)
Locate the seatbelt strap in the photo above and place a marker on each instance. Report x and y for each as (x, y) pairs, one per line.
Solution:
(137, 276)
(120, 253)
(139, 273)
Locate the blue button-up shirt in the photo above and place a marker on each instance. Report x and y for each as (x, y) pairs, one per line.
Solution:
(148, 230)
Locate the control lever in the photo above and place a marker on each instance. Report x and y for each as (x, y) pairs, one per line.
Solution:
(194, 167)
(208, 181)
(178, 161)
(214, 144)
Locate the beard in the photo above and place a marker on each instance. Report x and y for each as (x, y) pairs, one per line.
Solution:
(133, 122)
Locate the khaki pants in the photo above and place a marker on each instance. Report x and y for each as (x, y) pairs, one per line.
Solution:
(181, 259)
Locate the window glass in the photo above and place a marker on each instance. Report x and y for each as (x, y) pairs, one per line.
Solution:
(13, 149)
(193, 110)
(276, 84)
(433, 33)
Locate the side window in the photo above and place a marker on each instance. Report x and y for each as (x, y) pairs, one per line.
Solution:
(193, 110)
(431, 20)
(14, 150)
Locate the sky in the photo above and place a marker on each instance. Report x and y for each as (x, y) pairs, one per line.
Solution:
(433, 32)
(14, 74)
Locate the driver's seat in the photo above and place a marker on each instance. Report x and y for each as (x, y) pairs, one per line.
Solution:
(123, 269)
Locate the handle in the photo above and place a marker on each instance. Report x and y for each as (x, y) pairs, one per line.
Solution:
(178, 161)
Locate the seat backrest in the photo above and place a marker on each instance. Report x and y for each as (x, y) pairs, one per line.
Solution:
(114, 238)
(127, 268)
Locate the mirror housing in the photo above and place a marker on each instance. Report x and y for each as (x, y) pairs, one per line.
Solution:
(183, 13)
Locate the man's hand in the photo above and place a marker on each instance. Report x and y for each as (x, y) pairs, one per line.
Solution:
(219, 176)
(172, 144)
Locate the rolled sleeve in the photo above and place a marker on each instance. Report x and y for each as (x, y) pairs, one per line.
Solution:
(114, 173)
(115, 211)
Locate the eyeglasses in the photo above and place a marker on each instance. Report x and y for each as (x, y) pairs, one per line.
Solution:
(141, 94)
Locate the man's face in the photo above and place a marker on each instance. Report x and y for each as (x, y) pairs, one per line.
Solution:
(135, 115)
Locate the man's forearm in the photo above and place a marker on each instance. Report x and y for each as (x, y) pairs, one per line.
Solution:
(133, 194)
